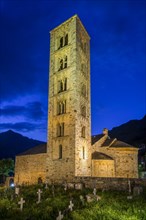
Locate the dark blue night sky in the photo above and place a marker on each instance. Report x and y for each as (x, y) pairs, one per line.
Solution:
(118, 53)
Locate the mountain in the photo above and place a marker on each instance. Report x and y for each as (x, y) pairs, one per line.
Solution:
(12, 143)
(132, 132)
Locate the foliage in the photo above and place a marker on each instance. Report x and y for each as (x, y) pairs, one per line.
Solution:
(112, 206)
(6, 166)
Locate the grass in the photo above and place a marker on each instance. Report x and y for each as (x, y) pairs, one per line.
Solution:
(113, 205)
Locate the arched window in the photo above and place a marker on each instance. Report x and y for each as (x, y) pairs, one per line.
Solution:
(83, 132)
(83, 90)
(61, 42)
(83, 111)
(66, 40)
(60, 130)
(60, 151)
(83, 151)
(65, 62)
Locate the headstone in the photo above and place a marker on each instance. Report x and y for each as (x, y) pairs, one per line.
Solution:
(46, 185)
(91, 198)
(17, 190)
(21, 202)
(70, 206)
(129, 197)
(70, 185)
(94, 191)
(39, 195)
(82, 199)
(79, 186)
(60, 216)
(137, 190)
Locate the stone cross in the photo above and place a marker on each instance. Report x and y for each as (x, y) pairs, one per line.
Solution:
(82, 199)
(21, 202)
(94, 191)
(39, 195)
(17, 190)
(71, 206)
(60, 216)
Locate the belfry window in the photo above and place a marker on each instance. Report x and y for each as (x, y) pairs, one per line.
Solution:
(65, 62)
(60, 130)
(83, 111)
(62, 85)
(60, 151)
(62, 63)
(61, 107)
(63, 41)
(83, 132)
(83, 90)
(66, 40)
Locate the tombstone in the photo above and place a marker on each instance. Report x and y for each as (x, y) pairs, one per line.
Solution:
(137, 190)
(94, 191)
(21, 202)
(70, 205)
(39, 195)
(70, 185)
(91, 198)
(60, 216)
(79, 186)
(82, 199)
(46, 185)
(65, 187)
(129, 197)
(17, 190)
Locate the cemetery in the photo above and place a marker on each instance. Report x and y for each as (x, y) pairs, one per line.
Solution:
(71, 201)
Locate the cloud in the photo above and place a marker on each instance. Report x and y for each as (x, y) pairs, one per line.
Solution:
(21, 126)
(32, 110)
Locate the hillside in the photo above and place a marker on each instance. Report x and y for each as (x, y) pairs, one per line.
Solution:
(132, 132)
(12, 143)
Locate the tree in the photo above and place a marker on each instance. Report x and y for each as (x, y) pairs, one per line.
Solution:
(6, 168)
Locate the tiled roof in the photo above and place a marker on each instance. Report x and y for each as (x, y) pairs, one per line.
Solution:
(42, 148)
(96, 138)
(100, 156)
(120, 144)
(108, 142)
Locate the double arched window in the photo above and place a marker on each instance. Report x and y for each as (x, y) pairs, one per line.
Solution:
(63, 41)
(62, 63)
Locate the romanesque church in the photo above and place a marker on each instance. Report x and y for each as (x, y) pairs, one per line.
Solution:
(70, 152)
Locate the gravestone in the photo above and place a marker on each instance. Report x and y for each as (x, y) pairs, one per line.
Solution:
(21, 202)
(94, 191)
(46, 185)
(129, 187)
(17, 190)
(79, 186)
(65, 187)
(39, 195)
(60, 216)
(71, 185)
(137, 190)
(82, 199)
(70, 205)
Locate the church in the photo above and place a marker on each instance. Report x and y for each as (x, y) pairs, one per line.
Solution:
(70, 151)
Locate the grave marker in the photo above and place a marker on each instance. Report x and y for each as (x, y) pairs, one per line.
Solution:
(60, 216)
(21, 202)
(39, 195)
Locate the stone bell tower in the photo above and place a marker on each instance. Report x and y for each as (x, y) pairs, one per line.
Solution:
(69, 132)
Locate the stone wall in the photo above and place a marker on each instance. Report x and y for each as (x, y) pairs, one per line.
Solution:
(103, 168)
(28, 168)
